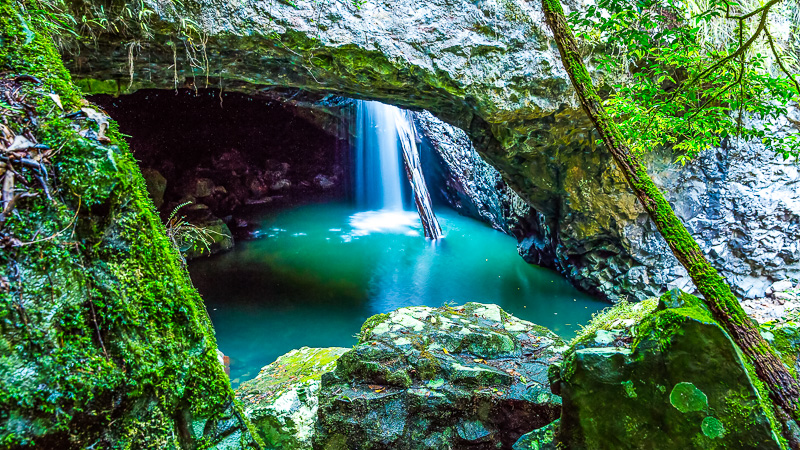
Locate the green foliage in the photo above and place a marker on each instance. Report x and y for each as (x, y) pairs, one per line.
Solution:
(674, 85)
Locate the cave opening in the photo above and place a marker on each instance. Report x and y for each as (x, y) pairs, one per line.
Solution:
(307, 262)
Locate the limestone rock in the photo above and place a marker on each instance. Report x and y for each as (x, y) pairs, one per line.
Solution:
(675, 380)
(450, 377)
(281, 402)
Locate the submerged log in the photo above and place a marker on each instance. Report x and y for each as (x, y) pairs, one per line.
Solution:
(413, 166)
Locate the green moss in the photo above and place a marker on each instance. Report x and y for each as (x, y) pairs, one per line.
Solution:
(766, 404)
(685, 397)
(369, 325)
(112, 345)
(663, 324)
(612, 317)
(712, 428)
(630, 390)
(785, 340)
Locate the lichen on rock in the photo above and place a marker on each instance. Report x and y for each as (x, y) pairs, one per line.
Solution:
(281, 402)
(675, 380)
(424, 377)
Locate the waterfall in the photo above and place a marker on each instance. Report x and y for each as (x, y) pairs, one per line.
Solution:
(381, 130)
(377, 178)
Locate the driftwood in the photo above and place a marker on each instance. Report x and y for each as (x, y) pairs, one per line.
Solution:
(414, 173)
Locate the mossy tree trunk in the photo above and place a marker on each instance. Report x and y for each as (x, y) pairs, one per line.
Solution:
(724, 306)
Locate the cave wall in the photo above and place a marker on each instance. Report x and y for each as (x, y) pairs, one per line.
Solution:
(487, 67)
(218, 155)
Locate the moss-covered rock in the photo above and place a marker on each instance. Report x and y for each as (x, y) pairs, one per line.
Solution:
(450, 377)
(104, 343)
(281, 402)
(665, 377)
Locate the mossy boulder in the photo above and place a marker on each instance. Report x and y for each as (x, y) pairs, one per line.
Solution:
(449, 377)
(281, 402)
(665, 377)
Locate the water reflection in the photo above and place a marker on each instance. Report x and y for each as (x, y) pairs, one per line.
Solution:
(320, 270)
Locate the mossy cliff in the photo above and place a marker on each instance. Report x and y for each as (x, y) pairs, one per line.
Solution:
(104, 343)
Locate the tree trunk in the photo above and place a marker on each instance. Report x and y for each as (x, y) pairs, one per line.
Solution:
(414, 173)
(724, 306)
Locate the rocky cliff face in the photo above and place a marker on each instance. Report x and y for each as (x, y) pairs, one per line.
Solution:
(486, 67)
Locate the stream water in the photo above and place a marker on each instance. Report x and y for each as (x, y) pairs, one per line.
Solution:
(318, 271)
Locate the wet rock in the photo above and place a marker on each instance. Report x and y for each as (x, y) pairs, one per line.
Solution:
(470, 185)
(450, 377)
(280, 185)
(282, 401)
(324, 181)
(675, 380)
(156, 185)
(200, 187)
(197, 207)
(258, 187)
(231, 161)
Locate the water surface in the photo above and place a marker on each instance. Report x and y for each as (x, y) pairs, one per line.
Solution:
(318, 271)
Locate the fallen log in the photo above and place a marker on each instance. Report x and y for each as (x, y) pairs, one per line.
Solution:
(413, 166)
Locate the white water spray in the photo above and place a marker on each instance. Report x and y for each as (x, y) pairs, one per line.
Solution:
(381, 130)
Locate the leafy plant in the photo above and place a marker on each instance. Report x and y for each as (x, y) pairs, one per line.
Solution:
(186, 236)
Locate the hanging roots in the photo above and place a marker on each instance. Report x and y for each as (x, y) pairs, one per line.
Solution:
(22, 158)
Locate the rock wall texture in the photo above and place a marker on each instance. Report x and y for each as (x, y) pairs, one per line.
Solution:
(104, 343)
(740, 202)
(487, 67)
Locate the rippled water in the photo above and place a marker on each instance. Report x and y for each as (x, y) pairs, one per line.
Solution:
(318, 271)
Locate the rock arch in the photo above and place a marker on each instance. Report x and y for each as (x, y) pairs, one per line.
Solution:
(488, 67)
